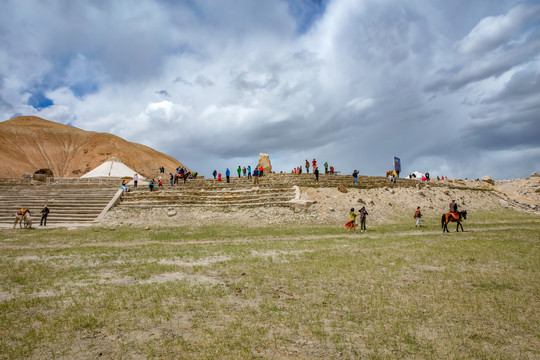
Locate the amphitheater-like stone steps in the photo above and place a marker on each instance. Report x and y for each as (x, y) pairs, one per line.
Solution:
(67, 203)
(204, 197)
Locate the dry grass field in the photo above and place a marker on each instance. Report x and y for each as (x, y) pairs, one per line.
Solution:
(218, 291)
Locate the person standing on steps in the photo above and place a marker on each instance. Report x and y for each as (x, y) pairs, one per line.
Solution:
(316, 172)
(314, 163)
(214, 173)
(171, 179)
(249, 172)
(355, 176)
(307, 167)
(135, 180)
(363, 214)
(256, 176)
(326, 167)
(239, 170)
(228, 175)
(44, 213)
(418, 217)
(244, 171)
(151, 185)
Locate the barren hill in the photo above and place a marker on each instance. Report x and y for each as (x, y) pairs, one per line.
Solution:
(29, 143)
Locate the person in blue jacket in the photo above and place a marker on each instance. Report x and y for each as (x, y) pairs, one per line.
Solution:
(228, 175)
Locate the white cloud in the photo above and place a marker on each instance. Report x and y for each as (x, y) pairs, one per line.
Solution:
(494, 31)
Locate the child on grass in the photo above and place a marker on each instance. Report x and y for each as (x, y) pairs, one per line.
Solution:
(418, 217)
(352, 223)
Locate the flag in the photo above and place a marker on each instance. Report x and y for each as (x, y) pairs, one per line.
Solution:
(397, 164)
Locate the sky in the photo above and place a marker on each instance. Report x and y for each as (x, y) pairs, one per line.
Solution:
(450, 87)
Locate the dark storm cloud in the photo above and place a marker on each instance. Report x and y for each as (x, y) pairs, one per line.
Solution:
(523, 85)
(518, 130)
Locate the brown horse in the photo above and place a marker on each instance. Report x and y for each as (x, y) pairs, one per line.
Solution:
(449, 217)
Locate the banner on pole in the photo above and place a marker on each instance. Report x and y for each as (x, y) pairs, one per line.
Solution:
(397, 164)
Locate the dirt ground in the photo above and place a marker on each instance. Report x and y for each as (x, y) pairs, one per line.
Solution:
(332, 206)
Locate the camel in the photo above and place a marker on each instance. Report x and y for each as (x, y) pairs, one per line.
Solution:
(23, 216)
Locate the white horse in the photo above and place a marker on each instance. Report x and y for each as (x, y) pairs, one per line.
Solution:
(23, 217)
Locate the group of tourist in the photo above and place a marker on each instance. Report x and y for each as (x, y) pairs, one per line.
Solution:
(327, 168)
(255, 175)
(362, 214)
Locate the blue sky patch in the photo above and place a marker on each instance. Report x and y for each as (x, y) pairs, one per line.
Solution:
(39, 101)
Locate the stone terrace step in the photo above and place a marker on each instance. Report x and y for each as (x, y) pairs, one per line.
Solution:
(204, 197)
(289, 180)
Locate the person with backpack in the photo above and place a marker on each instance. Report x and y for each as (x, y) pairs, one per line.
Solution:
(418, 217)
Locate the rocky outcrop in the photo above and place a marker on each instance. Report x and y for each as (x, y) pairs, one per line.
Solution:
(488, 179)
(264, 161)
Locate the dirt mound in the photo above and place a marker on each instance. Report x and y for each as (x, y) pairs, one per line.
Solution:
(29, 143)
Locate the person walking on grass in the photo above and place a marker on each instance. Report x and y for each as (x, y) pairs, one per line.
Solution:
(352, 221)
(363, 214)
(44, 213)
(418, 217)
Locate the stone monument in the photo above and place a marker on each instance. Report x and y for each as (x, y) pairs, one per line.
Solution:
(264, 161)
